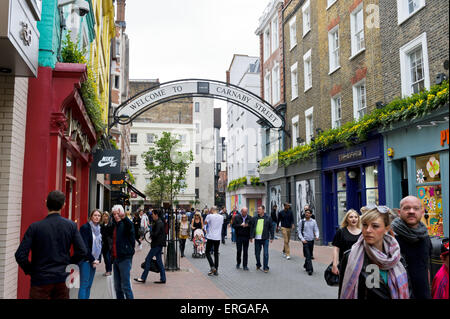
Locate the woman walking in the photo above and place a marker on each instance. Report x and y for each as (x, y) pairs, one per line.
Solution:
(184, 233)
(345, 237)
(137, 228)
(197, 223)
(380, 251)
(90, 232)
(107, 230)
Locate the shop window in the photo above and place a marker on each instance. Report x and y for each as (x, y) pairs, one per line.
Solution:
(371, 173)
(341, 195)
(133, 160)
(429, 191)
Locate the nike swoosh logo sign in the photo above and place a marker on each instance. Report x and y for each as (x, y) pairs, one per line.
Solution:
(101, 164)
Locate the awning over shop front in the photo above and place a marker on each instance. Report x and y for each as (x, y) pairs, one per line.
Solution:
(134, 189)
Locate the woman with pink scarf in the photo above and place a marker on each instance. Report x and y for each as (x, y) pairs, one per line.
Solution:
(372, 269)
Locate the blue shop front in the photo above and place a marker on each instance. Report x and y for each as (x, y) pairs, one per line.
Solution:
(351, 178)
(417, 163)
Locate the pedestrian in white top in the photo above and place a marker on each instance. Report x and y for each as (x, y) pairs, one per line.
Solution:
(214, 222)
(307, 230)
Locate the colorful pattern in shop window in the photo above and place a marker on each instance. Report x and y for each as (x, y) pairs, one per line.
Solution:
(420, 176)
(431, 197)
(433, 167)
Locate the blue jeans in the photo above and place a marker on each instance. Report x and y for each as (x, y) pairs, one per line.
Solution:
(154, 252)
(233, 235)
(258, 244)
(274, 228)
(122, 282)
(87, 273)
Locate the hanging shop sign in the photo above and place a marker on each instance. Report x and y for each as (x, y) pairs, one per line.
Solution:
(118, 180)
(107, 161)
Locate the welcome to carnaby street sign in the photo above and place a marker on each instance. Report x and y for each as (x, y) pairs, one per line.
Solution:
(165, 92)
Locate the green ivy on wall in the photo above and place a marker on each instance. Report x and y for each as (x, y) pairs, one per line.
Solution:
(401, 109)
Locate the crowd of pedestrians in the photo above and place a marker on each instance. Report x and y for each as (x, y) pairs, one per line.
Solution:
(392, 243)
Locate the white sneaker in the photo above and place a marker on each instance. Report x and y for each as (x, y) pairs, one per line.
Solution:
(288, 257)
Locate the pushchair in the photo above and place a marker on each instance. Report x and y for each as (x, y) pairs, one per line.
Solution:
(199, 244)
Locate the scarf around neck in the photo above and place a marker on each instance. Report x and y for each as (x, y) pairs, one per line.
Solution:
(97, 242)
(410, 234)
(389, 261)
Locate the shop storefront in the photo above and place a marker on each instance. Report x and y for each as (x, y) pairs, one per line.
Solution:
(351, 178)
(417, 163)
(59, 139)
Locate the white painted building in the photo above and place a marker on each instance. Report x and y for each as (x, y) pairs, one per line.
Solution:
(244, 136)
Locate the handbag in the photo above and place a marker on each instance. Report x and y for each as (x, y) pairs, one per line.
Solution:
(153, 266)
(330, 278)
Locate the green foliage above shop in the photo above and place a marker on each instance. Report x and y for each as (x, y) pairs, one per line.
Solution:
(89, 90)
(237, 183)
(400, 109)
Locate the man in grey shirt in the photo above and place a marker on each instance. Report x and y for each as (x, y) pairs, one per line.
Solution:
(307, 231)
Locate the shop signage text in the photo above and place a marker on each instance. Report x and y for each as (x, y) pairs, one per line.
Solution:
(118, 180)
(349, 156)
(107, 161)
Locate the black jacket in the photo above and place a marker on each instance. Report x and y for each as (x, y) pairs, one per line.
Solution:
(49, 241)
(107, 236)
(364, 292)
(86, 234)
(285, 218)
(124, 239)
(243, 232)
(274, 216)
(158, 234)
(268, 230)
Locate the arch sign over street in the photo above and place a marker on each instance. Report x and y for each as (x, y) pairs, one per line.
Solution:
(168, 91)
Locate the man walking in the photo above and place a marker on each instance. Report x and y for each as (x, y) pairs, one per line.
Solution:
(242, 225)
(262, 230)
(307, 230)
(273, 215)
(158, 236)
(286, 219)
(122, 253)
(214, 221)
(224, 214)
(49, 241)
(415, 245)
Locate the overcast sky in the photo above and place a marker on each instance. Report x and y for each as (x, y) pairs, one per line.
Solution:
(180, 39)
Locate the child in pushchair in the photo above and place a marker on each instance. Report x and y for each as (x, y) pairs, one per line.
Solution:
(199, 244)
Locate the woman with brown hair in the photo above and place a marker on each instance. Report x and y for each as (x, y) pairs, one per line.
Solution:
(345, 237)
(373, 268)
(107, 230)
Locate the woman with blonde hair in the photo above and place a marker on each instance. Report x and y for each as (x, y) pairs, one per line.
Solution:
(345, 237)
(373, 268)
(183, 232)
(107, 230)
(196, 223)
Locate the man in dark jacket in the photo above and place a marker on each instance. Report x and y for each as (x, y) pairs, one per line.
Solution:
(286, 219)
(415, 245)
(122, 252)
(242, 225)
(262, 231)
(158, 236)
(225, 223)
(49, 241)
(274, 216)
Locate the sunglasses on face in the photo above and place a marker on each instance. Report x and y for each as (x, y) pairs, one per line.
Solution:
(381, 209)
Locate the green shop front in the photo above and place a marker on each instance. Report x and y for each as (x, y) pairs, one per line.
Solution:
(417, 163)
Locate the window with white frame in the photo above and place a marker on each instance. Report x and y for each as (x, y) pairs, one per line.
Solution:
(267, 88)
(359, 100)
(357, 29)
(197, 128)
(336, 111)
(306, 10)
(292, 33)
(197, 148)
(333, 48)
(150, 138)
(295, 131)
(307, 66)
(266, 43)
(133, 137)
(276, 84)
(275, 37)
(294, 80)
(414, 66)
(197, 106)
(309, 124)
(133, 160)
(407, 8)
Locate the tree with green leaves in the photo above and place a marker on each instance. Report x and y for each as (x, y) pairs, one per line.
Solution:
(167, 166)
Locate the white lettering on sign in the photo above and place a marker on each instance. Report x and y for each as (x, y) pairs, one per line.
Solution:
(232, 94)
